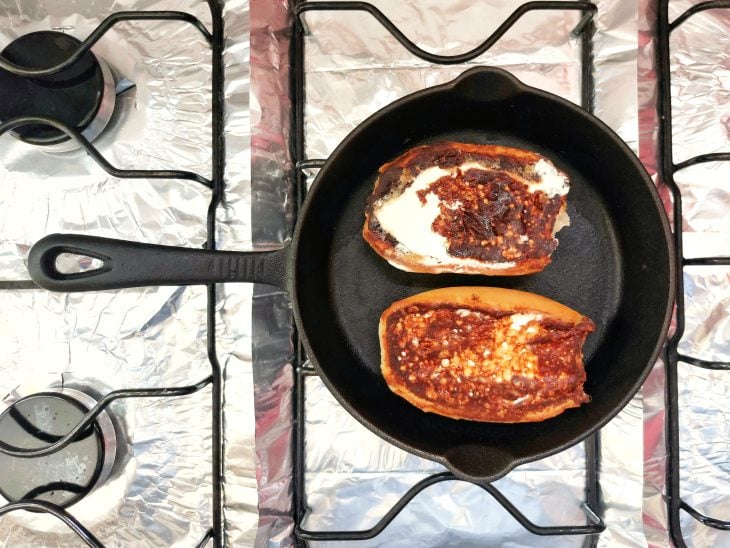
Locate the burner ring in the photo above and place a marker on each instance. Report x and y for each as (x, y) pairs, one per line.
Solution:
(82, 96)
(65, 476)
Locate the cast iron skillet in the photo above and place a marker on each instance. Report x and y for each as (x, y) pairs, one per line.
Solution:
(614, 264)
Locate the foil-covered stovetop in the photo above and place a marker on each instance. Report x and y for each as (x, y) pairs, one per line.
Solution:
(156, 336)
(137, 338)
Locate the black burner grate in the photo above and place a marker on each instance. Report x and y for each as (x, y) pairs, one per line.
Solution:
(592, 506)
(215, 40)
(667, 169)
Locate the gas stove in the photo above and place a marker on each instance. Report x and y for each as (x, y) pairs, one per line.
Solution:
(190, 416)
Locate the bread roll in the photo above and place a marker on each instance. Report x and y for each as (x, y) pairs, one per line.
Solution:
(472, 209)
(485, 354)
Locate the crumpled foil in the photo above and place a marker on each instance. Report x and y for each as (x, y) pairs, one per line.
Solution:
(45, 193)
(272, 220)
(353, 67)
(235, 301)
(700, 57)
(119, 339)
(700, 86)
(163, 495)
(153, 337)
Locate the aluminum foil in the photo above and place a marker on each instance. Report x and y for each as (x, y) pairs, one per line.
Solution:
(163, 494)
(272, 223)
(700, 57)
(353, 67)
(149, 337)
(700, 88)
(120, 338)
(704, 427)
(45, 193)
(235, 327)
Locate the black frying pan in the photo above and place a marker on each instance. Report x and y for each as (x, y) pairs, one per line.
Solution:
(614, 264)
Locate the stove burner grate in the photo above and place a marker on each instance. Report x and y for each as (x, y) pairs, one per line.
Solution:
(667, 170)
(215, 40)
(592, 505)
(78, 96)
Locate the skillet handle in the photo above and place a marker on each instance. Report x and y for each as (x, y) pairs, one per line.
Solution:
(487, 84)
(478, 464)
(132, 264)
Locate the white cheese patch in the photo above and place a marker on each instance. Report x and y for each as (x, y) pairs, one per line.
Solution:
(471, 165)
(552, 182)
(518, 321)
(409, 221)
(461, 261)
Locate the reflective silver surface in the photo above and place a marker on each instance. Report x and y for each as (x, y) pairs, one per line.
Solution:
(700, 58)
(353, 67)
(112, 340)
(138, 338)
(700, 113)
(164, 123)
(156, 337)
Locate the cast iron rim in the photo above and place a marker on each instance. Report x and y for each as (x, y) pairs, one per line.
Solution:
(648, 186)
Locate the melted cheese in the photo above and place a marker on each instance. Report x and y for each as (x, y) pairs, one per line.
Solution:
(520, 320)
(465, 356)
(552, 182)
(409, 221)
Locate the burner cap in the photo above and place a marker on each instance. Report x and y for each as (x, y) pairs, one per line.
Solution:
(63, 477)
(72, 96)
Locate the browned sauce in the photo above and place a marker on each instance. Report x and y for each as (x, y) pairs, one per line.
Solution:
(486, 364)
(489, 216)
(486, 214)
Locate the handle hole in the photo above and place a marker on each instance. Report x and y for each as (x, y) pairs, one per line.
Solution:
(75, 263)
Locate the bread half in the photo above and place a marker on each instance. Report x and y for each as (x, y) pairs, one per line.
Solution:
(485, 354)
(466, 208)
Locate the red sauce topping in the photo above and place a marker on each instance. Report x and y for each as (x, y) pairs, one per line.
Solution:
(445, 155)
(490, 216)
(486, 214)
(487, 365)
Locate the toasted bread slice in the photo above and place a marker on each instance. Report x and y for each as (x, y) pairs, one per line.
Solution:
(471, 209)
(485, 354)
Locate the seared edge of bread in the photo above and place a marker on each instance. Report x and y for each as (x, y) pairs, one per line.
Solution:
(507, 159)
(487, 298)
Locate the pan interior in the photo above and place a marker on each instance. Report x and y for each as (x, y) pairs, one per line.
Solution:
(611, 265)
(363, 284)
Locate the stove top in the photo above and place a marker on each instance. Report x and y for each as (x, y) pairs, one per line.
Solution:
(190, 416)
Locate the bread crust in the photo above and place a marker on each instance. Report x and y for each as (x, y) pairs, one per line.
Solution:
(487, 298)
(526, 156)
(413, 262)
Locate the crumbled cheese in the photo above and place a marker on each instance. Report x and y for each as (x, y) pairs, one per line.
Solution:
(520, 320)
(552, 182)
